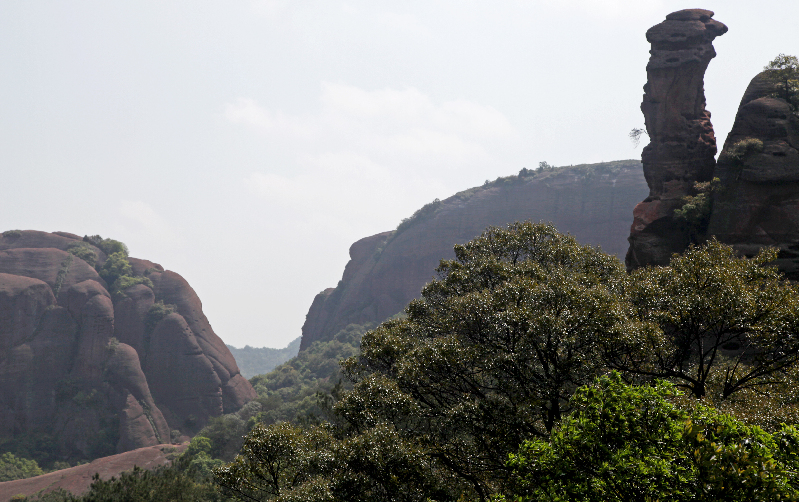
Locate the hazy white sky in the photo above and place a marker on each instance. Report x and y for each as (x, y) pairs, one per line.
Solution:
(247, 144)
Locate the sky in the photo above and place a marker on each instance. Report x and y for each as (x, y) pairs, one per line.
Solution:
(247, 144)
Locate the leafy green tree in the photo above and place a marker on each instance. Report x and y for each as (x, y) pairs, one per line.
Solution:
(695, 211)
(491, 353)
(13, 467)
(107, 246)
(115, 266)
(277, 459)
(288, 462)
(724, 323)
(627, 443)
(126, 281)
(487, 358)
(784, 72)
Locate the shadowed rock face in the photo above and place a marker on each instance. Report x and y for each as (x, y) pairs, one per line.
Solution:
(388, 270)
(758, 204)
(86, 369)
(682, 143)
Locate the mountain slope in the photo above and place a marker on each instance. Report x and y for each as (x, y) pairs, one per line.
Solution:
(593, 202)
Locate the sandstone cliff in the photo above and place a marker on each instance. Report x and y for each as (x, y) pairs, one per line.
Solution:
(755, 200)
(84, 372)
(757, 203)
(682, 145)
(387, 270)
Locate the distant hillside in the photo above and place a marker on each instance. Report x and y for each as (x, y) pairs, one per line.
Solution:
(593, 202)
(259, 360)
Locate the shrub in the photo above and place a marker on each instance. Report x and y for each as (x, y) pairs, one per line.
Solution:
(696, 209)
(107, 246)
(127, 281)
(115, 266)
(427, 210)
(13, 467)
(84, 252)
(158, 311)
(744, 148)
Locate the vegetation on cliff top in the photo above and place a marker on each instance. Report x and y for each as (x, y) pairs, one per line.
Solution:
(783, 71)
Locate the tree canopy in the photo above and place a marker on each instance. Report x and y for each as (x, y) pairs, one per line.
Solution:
(784, 72)
(490, 357)
(632, 443)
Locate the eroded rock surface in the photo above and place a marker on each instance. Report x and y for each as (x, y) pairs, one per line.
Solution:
(387, 270)
(89, 373)
(682, 145)
(758, 201)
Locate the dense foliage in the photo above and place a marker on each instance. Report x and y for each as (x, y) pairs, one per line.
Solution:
(724, 323)
(631, 443)
(491, 354)
(533, 368)
(13, 467)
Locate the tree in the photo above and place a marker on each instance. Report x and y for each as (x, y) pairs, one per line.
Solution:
(314, 464)
(784, 72)
(632, 443)
(724, 323)
(491, 353)
(13, 467)
(116, 266)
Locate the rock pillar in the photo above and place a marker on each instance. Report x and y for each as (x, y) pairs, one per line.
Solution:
(682, 145)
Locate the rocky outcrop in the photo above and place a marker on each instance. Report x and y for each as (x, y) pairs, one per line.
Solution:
(387, 270)
(88, 373)
(682, 144)
(757, 203)
(77, 480)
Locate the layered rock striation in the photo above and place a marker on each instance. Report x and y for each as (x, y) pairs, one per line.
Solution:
(388, 270)
(757, 203)
(682, 145)
(84, 373)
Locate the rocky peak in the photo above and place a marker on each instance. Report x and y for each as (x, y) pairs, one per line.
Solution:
(88, 370)
(682, 145)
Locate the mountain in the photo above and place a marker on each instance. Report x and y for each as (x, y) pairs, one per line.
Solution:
(593, 202)
(89, 368)
(259, 360)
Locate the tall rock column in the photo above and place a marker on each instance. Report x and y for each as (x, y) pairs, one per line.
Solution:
(682, 145)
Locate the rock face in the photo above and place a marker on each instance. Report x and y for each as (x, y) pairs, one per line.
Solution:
(387, 270)
(758, 203)
(682, 143)
(84, 373)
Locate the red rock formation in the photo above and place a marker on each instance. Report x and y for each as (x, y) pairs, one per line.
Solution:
(86, 369)
(682, 144)
(758, 203)
(388, 270)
